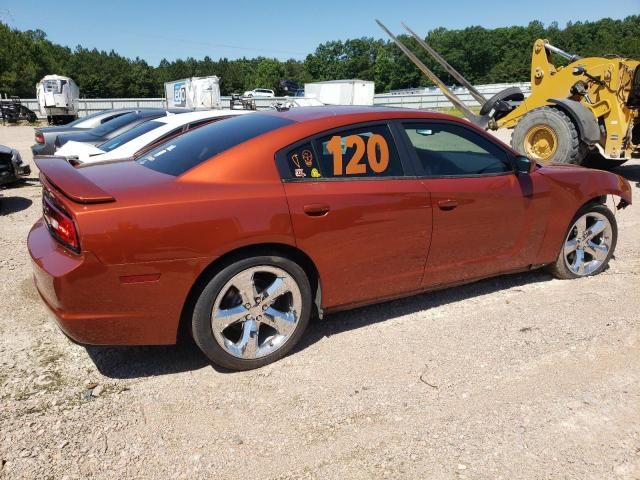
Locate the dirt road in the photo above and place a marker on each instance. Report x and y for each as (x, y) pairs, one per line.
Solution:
(519, 377)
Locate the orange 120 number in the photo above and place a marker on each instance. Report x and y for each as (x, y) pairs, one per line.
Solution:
(375, 144)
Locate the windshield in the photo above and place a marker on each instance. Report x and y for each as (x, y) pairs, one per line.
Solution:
(114, 124)
(129, 135)
(194, 147)
(52, 86)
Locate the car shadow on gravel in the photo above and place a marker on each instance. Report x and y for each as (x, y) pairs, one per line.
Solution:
(349, 320)
(10, 205)
(135, 362)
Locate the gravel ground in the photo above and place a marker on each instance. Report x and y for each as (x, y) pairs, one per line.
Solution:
(518, 377)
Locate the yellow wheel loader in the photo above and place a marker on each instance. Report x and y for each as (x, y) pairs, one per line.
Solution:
(592, 104)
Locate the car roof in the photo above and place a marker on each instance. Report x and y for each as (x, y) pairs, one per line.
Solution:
(303, 114)
(183, 118)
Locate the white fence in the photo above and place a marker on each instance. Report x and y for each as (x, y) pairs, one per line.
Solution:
(436, 100)
(427, 100)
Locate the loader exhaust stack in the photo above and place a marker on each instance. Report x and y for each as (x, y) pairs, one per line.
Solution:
(569, 56)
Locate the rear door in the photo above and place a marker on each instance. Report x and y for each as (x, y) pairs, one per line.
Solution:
(484, 219)
(359, 212)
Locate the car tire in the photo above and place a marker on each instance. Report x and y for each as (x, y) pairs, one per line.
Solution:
(584, 252)
(252, 312)
(548, 135)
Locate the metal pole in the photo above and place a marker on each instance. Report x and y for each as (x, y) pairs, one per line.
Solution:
(434, 78)
(452, 71)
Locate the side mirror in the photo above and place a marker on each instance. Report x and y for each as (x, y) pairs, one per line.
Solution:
(523, 165)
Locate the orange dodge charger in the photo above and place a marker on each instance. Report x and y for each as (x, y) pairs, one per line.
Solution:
(239, 231)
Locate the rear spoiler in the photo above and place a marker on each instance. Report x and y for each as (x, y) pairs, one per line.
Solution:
(70, 181)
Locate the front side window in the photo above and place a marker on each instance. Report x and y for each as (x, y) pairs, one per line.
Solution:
(445, 150)
(359, 152)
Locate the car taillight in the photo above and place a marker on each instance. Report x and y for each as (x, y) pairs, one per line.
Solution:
(60, 224)
(39, 137)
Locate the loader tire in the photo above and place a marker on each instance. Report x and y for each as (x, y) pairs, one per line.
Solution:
(548, 135)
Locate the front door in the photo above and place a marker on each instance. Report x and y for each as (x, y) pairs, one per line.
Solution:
(363, 221)
(483, 213)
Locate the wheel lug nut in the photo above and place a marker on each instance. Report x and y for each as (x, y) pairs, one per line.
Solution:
(246, 305)
(264, 307)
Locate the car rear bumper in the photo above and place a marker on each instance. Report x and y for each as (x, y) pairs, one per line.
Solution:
(96, 304)
(42, 149)
(10, 171)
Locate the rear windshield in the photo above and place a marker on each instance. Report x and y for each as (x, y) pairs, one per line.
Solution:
(113, 124)
(129, 135)
(186, 151)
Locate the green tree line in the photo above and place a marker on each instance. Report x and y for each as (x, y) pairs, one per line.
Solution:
(482, 55)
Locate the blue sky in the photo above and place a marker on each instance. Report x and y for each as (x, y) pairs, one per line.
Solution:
(153, 30)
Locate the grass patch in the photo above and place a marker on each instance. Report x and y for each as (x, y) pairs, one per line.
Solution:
(457, 113)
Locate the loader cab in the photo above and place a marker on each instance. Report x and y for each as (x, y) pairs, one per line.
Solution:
(634, 95)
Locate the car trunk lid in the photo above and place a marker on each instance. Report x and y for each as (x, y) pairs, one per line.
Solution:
(121, 181)
(70, 181)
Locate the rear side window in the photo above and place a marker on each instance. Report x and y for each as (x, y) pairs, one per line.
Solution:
(129, 135)
(114, 124)
(108, 119)
(195, 146)
(361, 152)
(446, 150)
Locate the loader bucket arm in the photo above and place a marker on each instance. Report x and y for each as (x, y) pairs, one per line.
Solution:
(452, 71)
(452, 97)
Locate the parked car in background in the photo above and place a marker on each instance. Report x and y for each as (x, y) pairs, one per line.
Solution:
(114, 127)
(12, 168)
(155, 131)
(246, 227)
(259, 92)
(46, 136)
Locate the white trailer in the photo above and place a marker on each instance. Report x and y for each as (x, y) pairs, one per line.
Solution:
(58, 98)
(341, 92)
(199, 93)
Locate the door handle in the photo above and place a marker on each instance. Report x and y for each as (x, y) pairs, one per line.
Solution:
(316, 209)
(447, 204)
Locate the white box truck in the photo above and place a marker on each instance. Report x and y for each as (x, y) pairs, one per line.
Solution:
(199, 93)
(341, 92)
(58, 99)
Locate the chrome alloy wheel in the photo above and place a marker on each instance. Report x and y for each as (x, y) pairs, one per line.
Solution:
(588, 243)
(256, 312)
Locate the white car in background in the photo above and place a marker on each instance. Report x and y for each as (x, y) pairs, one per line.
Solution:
(259, 92)
(138, 138)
